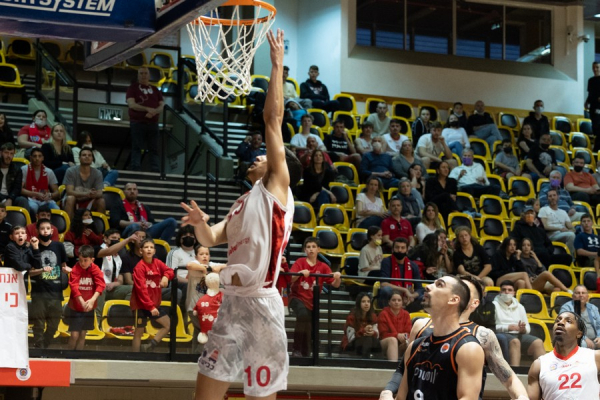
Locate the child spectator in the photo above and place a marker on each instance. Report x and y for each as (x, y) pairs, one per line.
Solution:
(5, 229)
(47, 286)
(149, 276)
(82, 231)
(87, 283)
(369, 262)
(360, 330)
(394, 327)
(301, 297)
(19, 256)
(186, 240)
(42, 213)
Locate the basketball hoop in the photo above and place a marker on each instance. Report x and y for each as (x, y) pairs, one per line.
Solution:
(224, 55)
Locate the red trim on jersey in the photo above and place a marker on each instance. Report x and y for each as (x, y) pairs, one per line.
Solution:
(277, 242)
(571, 354)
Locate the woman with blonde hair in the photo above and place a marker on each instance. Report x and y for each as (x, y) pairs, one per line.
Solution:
(370, 209)
(57, 153)
(430, 222)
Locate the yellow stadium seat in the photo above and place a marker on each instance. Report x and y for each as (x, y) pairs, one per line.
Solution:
(557, 299)
(493, 205)
(304, 217)
(181, 335)
(20, 48)
(349, 266)
(343, 194)
(348, 170)
(510, 120)
(578, 139)
(519, 186)
(540, 329)
(456, 219)
(321, 119)
(584, 125)
(347, 102)
(403, 109)
(162, 60)
(534, 303)
(356, 239)
(371, 104)
(10, 77)
(17, 216)
(61, 221)
(117, 314)
(481, 148)
(331, 242)
(558, 138)
(334, 215)
(563, 124)
(564, 274)
(493, 227)
(465, 201)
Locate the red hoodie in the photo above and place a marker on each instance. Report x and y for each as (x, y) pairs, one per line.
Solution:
(391, 325)
(84, 283)
(147, 294)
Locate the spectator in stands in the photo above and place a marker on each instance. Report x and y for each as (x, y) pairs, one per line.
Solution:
(535, 204)
(542, 245)
(181, 256)
(565, 202)
(394, 327)
(299, 141)
(47, 286)
(82, 231)
(441, 190)
(339, 145)
(378, 163)
(592, 102)
(11, 177)
(36, 133)
(511, 322)
(40, 185)
(248, 150)
(293, 115)
(6, 133)
(20, 254)
(369, 262)
(360, 330)
(412, 202)
(405, 159)
(396, 226)
(363, 143)
(289, 90)
(380, 120)
(433, 256)
(541, 159)
(506, 162)
(541, 280)
(133, 216)
(108, 258)
(43, 212)
(57, 152)
(317, 177)
(5, 229)
(538, 122)
(421, 125)
(145, 104)
(482, 125)
(370, 209)
(589, 314)
(84, 186)
(507, 265)
(399, 266)
(471, 177)
(557, 222)
(526, 141)
(596, 174)
(455, 136)
(311, 146)
(587, 243)
(317, 92)
(431, 146)
(429, 222)
(581, 184)
(457, 109)
(84, 139)
(417, 180)
(470, 257)
(301, 296)
(394, 138)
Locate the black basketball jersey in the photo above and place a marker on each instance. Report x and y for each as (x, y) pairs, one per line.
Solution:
(431, 368)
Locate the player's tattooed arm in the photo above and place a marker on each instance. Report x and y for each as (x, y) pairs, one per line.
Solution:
(498, 365)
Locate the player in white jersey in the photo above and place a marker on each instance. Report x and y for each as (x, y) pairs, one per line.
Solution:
(248, 340)
(569, 372)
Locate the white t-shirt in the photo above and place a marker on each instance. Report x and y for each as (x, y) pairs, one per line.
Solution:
(299, 140)
(368, 256)
(473, 172)
(556, 219)
(456, 135)
(432, 148)
(3, 189)
(376, 206)
(379, 127)
(180, 258)
(394, 146)
(422, 231)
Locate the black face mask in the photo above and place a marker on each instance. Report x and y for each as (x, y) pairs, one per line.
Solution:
(507, 150)
(577, 168)
(454, 124)
(398, 255)
(114, 241)
(544, 146)
(45, 238)
(188, 241)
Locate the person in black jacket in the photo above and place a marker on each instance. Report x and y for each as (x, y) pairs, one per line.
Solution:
(18, 255)
(537, 120)
(526, 228)
(592, 102)
(506, 265)
(6, 133)
(11, 178)
(317, 92)
(481, 124)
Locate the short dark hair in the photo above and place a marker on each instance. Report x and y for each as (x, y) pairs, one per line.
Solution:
(35, 150)
(339, 121)
(182, 231)
(147, 240)
(307, 116)
(396, 121)
(44, 209)
(86, 251)
(367, 123)
(286, 68)
(579, 156)
(508, 283)
(311, 239)
(580, 323)
(7, 146)
(16, 228)
(400, 240)
(85, 149)
(436, 125)
(314, 67)
(458, 103)
(42, 221)
(507, 141)
(475, 282)
(3, 206)
(586, 215)
(294, 167)
(552, 190)
(461, 290)
(39, 111)
(111, 231)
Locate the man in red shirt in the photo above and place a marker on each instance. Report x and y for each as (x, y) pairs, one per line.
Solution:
(301, 297)
(581, 185)
(145, 104)
(395, 226)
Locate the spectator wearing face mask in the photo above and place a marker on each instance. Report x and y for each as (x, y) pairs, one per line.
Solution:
(541, 160)
(471, 177)
(456, 136)
(537, 120)
(36, 133)
(379, 164)
(507, 164)
(458, 110)
(82, 232)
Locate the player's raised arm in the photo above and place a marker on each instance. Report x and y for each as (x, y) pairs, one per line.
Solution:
(277, 178)
(533, 381)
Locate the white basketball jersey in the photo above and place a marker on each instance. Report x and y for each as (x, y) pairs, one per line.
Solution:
(574, 377)
(258, 229)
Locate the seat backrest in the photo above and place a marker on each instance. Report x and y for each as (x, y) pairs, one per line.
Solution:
(464, 203)
(562, 124)
(169, 88)
(585, 126)
(509, 120)
(59, 221)
(531, 302)
(341, 194)
(491, 246)
(493, 227)
(327, 239)
(564, 276)
(112, 200)
(346, 103)
(302, 215)
(520, 188)
(20, 47)
(350, 265)
(403, 110)
(162, 249)
(17, 216)
(156, 74)
(7, 73)
(162, 60)
(578, 140)
(54, 49)
(492, 206)
(120, 315)
(320, 119)
(333, 216)
(589, 280)
(349, 121)
(261, 83)
(358, 240)
(136, 61)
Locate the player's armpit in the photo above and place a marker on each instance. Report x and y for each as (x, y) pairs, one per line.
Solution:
(497, 363)
(534, 391)
(469, 363)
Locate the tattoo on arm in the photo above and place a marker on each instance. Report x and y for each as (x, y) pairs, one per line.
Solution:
(493, 356)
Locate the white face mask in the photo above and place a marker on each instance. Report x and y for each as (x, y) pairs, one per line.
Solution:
(40, 122)
(506, 297)
(377, 146)
(539, 109)
(88, 221)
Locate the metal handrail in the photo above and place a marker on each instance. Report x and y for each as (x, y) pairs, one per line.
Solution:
(202, 124)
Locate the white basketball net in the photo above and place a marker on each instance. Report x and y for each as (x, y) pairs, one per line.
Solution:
(223, 67)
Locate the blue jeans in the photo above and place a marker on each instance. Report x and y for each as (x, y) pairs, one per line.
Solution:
(322, 198)
(110, 177)
(144, 136)
(489, 133)
(34, 205)
(456, 148)
(60, 173)
(161, 230)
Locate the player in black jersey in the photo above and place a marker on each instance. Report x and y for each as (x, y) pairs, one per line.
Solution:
(487, 338)
(447, 364)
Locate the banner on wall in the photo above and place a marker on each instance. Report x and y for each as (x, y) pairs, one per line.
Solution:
(14, 351)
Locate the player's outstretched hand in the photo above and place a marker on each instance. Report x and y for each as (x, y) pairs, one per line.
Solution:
(277, 46)
(195, 215)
